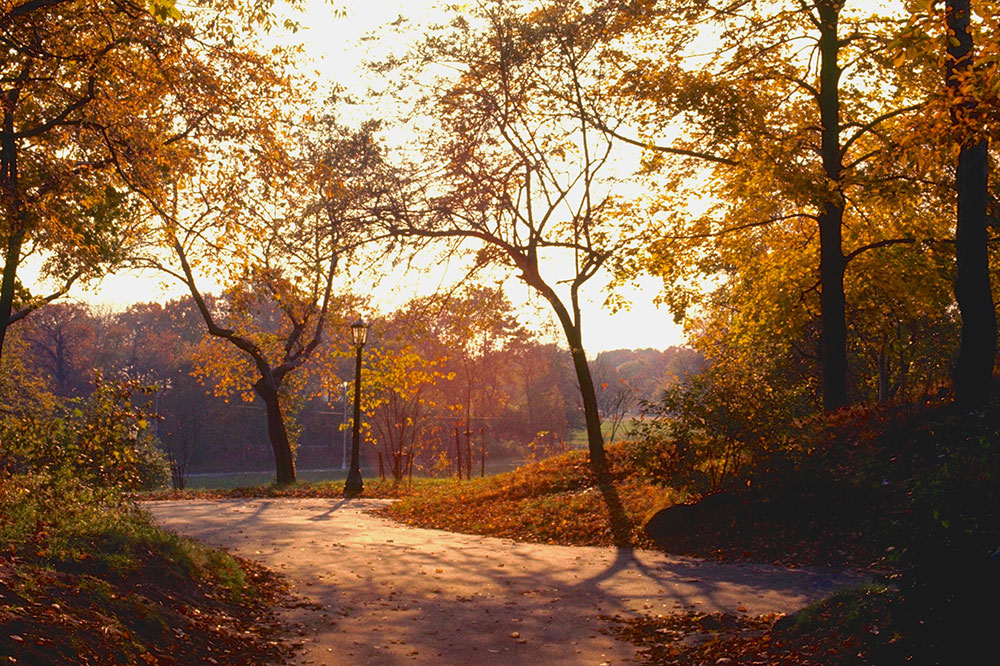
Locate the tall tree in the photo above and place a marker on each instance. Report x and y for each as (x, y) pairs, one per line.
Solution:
(515, 173)
(99, 98)
(950, 145)
(787, 113)
(62, 340)
(272, 227)
(476, 326)
(977, 351)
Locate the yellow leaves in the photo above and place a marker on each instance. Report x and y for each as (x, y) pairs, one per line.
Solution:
(163, 10)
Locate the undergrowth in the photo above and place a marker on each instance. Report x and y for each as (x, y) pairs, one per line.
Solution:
(85, 577)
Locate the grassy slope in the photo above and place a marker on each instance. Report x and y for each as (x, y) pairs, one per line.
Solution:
(553, 501)
(86, 578)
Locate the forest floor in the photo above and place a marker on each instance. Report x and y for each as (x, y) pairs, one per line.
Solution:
(378, 592)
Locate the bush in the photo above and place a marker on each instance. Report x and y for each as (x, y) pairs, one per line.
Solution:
(654, 454)
(104, 440)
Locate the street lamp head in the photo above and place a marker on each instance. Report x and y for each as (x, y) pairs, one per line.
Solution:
(359, 333)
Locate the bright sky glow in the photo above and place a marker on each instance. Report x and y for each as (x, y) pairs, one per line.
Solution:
(334, 52)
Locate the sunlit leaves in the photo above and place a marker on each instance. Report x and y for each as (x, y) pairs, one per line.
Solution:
(750, 100)
(107, 104)
(164, 10)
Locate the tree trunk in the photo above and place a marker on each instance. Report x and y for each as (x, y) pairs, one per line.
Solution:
(973, 372)
(283, 462)
(13, 207)
(571, 328)
(884, 390)
(977, 347)
(833, 304)
(7, 286)
(833, 308)
(595, 439)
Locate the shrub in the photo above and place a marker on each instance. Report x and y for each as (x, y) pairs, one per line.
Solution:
(104, 440)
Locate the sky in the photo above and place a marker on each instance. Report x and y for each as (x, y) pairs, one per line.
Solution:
(334, 52)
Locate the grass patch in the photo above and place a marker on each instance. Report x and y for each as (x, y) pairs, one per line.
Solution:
(374, 488)
(86, 577)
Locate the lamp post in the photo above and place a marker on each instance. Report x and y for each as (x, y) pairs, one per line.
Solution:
(353, 486)
(343, 411)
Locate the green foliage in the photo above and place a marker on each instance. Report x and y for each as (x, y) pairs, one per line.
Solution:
(950, 472)
(61, 521)
(657, 455)
(104, 440)
(710, 428)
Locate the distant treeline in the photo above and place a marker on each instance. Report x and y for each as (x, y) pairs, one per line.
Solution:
(428, 389)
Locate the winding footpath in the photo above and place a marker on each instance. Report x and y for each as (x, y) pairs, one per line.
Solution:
(378, 592)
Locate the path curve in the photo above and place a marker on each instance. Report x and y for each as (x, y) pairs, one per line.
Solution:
(385, 593)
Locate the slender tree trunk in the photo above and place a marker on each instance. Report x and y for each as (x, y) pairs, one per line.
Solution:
(283, 462)
(884, 391)
(833, 303)
(7, 286)
(571, 329)
(973, 372)
(595, 439)
(13, 208)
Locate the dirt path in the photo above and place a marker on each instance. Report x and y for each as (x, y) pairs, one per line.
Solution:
(391, 594)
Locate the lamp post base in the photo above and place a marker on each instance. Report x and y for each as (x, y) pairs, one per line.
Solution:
(353, 486)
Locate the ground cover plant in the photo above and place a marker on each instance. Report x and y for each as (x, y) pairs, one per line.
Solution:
(87, 578)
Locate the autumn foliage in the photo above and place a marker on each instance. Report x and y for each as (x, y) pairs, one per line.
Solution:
(553, 501)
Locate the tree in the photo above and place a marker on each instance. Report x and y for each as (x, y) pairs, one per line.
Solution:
(959, 119)
(63, 343)
(615, 397)
(649, 371)
(511, 168)
(474, 327)
(540, 401)
(274, 237)
(397, 401)
(157, 344)
(977, 351)
(790, 115)
(99, 98)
